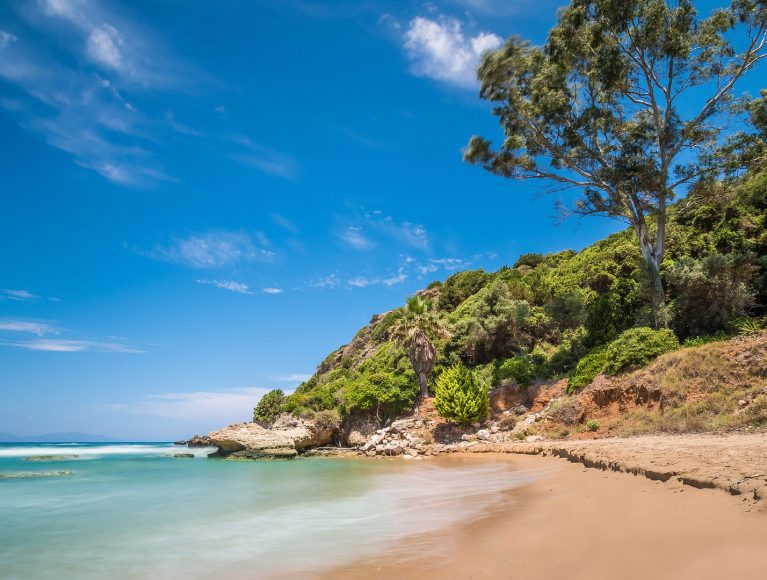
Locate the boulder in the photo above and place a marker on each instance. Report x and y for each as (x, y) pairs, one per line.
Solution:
(284, 439)
(183, 455)
(199, 441)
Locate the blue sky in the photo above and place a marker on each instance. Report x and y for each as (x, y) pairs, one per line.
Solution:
(201, 200)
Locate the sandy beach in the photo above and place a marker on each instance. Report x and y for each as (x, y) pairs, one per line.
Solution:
(579, 522)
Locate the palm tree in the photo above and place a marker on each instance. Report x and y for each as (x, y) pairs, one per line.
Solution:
(413, 330)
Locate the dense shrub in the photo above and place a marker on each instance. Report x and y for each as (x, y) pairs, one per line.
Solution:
(710, 292)
(460, 286)
(386, 394)
(587, 369)
(490, 325)
(637, 347)
(269, 406)
(522, 369)
(460, 397)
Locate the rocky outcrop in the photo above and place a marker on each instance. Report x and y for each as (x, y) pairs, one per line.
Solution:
(199, 441)
(283, 440)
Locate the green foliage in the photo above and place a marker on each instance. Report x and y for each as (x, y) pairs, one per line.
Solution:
(460, 286)
(587, 369)
(489, 325)
(592, 425)
(638, 347)
(745, 326)
(523, 369)
(710, 291)
(459, 397)
(269, 406)
(704, 339)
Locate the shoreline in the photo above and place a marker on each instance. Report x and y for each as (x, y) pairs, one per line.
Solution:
(578, 522)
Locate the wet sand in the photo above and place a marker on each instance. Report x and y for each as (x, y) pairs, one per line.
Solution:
(574, 522)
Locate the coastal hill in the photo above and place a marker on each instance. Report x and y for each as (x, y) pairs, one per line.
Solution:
(564, 343)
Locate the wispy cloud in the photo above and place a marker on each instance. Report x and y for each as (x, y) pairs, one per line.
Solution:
(6, 294)
(266, 159)
(285, 223)
(272, 290)
(230, 285)
(354, 237)
(438, 48)
(38, 328)
(212, 250)
(62, 345)
(77, 99)
(224, 406)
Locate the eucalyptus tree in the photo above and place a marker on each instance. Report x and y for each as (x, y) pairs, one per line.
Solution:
(628, 101)
(416, 329)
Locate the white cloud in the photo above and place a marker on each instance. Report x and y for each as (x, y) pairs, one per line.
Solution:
(7, 38)
(38, 328)
(360, 282)
(61, 345)
(212, 250)
(331, 281)
(78, 102)
(399, 278)
(6, 294)
(271, 290)
(267, 160)
(285, 223)
(439, 49)
(354, 237)
(230, 285)
(215, 406)
(104, 46)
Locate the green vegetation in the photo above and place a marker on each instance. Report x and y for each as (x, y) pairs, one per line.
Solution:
(588, 368)
(634, 348)
(637, 347)
(459, 397)
(692, 263)
(592, 425)
(596, 108)
(269, 406)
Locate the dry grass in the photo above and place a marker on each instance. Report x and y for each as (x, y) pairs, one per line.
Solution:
(715, 387)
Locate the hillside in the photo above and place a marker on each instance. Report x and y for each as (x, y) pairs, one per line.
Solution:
(566, 319)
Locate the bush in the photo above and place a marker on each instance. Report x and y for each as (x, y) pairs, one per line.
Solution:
(269, 406)
(459, 396)
(460, 286)
(592, 426)
(637, 347)
(521, 368)
(587, 369)
(327, 419)
(386, 394)
(710, 292)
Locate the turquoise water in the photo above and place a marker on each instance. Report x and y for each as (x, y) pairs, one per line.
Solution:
(133, 511)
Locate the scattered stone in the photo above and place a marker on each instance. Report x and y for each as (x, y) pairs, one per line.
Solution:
(183, 455)
(180, 442)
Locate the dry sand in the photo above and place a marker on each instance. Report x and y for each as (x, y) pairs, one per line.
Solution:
(575, 522)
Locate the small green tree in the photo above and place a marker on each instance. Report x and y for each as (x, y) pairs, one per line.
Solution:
(459, 397)
(269, 406)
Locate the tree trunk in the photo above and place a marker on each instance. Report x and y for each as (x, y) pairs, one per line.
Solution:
(422, 356)
(422, 381)
(652, 261)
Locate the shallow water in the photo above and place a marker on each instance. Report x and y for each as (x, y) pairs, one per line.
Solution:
(134, 511)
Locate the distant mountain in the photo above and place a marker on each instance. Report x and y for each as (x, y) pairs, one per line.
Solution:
(68, 437)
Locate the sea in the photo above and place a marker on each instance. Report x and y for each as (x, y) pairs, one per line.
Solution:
(132, 510)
